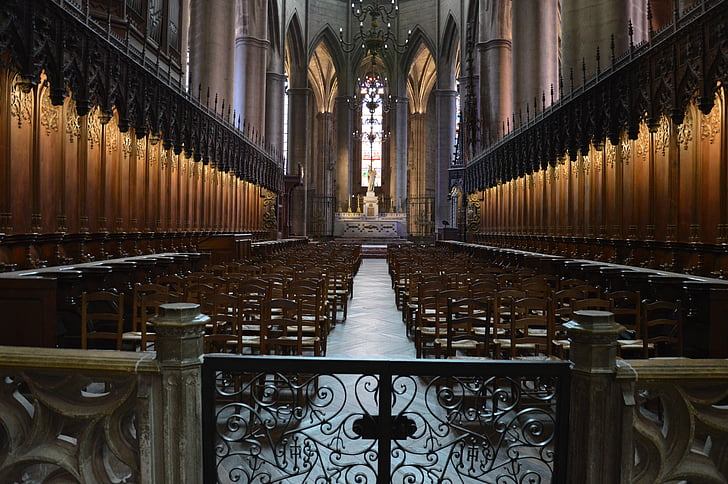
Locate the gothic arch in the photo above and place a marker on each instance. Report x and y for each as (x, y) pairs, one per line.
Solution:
(449, 54)
(323, 78)
(417, 38)
(421, 77)
(330, 40)
(274, 29)
(295, 58)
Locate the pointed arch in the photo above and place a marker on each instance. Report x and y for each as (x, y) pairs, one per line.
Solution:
(295, 58)
(323, 78)
(274, 28)
(330, 40)
(449, 53)
(421, 78)
(417, 38)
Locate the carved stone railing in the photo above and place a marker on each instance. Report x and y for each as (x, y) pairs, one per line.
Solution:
(684, 61)
(105, 416)
(676, 420)
(643, 421)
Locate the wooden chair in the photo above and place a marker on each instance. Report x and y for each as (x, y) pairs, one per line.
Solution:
(662, 328)
(200, 294)
(468, 329)
(142, 335)
(530, 329)
(627, 310)
(430, 312)
(223, 333)
(283, 330)
(313, 309)
(102, 318)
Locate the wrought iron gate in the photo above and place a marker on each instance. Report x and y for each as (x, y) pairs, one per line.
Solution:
(311, 420)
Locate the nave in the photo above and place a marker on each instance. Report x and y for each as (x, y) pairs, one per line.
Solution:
(373, 328)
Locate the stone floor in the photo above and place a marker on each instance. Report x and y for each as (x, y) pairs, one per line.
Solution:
(373, 328)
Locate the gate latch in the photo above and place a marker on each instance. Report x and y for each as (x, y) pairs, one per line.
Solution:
(402, 427)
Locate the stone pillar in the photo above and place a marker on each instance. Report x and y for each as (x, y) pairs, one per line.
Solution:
(586, 24)
(179, 343)
(445, 99)
(399, 181)
(211, 49)
(324, 172)
(596, 415)
(496, 74)
(343, 117)
(535, 54)
(274, 91)
(251, 45)
(298, 126)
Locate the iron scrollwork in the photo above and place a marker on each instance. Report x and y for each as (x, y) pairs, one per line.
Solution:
(276, 427)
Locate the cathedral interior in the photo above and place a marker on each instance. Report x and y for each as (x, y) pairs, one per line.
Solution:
(146, 141)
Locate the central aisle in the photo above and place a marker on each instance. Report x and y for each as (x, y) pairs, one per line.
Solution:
(373, 327)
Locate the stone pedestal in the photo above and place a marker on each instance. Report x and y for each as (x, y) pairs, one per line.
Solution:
(180, 328)
(594, 419)
(371, 205)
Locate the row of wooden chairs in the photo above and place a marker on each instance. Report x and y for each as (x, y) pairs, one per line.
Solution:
(652, 328)
(320, 289)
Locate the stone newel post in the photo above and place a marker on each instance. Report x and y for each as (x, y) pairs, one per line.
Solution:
(179, 342)
(595, 430)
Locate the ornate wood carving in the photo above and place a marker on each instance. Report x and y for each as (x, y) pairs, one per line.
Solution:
(41, 36)
(659, 78)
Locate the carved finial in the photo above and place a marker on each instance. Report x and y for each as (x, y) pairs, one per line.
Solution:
(207, 102)
(543, 98)
(552, 93)
(583, 71)
(599, 68)
(528, 112)
(199, 92)
(215, 103)
(508, 123)
(630, 31)
(611, 46)
(677, 11)
(571, 78)
(561, 84)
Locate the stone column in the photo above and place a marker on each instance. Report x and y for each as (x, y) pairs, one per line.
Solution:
(251, 45)
(399, 181)
(595, 399)
(496, 75)
(298, 126)
(343, 125)
(324, 178)
(211, 49)
(274, 91)
(588, 24)
(445, 99)
(179, 343)
(535, 54)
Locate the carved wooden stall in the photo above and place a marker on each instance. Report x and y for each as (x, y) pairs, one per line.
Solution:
(103, 153)
(631, 167)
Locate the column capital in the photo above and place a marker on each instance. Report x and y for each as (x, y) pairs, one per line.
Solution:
(299, 91)
(445, 93)
(252, 42)
(495, 44)
(276, 76)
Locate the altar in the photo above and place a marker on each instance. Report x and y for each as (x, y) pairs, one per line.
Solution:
(352, 225)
